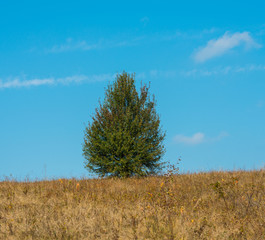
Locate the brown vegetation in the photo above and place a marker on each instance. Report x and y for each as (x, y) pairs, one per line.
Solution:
(215, 205)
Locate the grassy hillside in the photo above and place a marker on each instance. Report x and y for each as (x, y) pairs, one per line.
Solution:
(215, 205)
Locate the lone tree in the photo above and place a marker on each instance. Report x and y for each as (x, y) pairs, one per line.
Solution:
(125, 138)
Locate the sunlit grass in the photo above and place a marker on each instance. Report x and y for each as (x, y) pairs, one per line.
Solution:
(214, 205)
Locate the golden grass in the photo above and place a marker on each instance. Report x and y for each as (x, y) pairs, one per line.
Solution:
(215, 205)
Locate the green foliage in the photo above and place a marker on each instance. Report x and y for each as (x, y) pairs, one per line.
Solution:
(125, 138)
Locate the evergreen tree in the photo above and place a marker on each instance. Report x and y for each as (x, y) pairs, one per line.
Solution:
(125, 138)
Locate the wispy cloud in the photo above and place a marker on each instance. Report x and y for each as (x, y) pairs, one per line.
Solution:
(197, 138)
(77, 79)
(220, 46)
(20, 82)
(123, 40)
(71, 45)
(17, 83)
(144, 20)
(223, 70)
(162, 74)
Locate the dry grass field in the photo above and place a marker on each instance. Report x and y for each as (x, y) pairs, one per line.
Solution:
(215, 205)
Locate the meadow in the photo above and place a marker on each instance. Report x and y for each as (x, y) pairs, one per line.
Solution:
(212, 205)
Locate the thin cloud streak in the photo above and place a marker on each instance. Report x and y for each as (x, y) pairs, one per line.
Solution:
(198, 138)
(223, 70)
(83, 45)
(20, 82)
(17, 83)
(220, 46)
(77, 79)
(70, 45)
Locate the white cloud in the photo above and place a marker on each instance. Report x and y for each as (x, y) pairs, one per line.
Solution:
(84, 78)
(122, 40)
(20, 83)
(218, 138)
(17, 83)
(162, 74)
(70, 45)
(197, 138)
(223, 70)
(171, 36)
(222, 45)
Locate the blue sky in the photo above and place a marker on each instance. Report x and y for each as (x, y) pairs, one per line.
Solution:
(205, 62)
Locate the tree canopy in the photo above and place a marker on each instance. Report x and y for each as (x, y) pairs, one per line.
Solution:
(124, 138)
